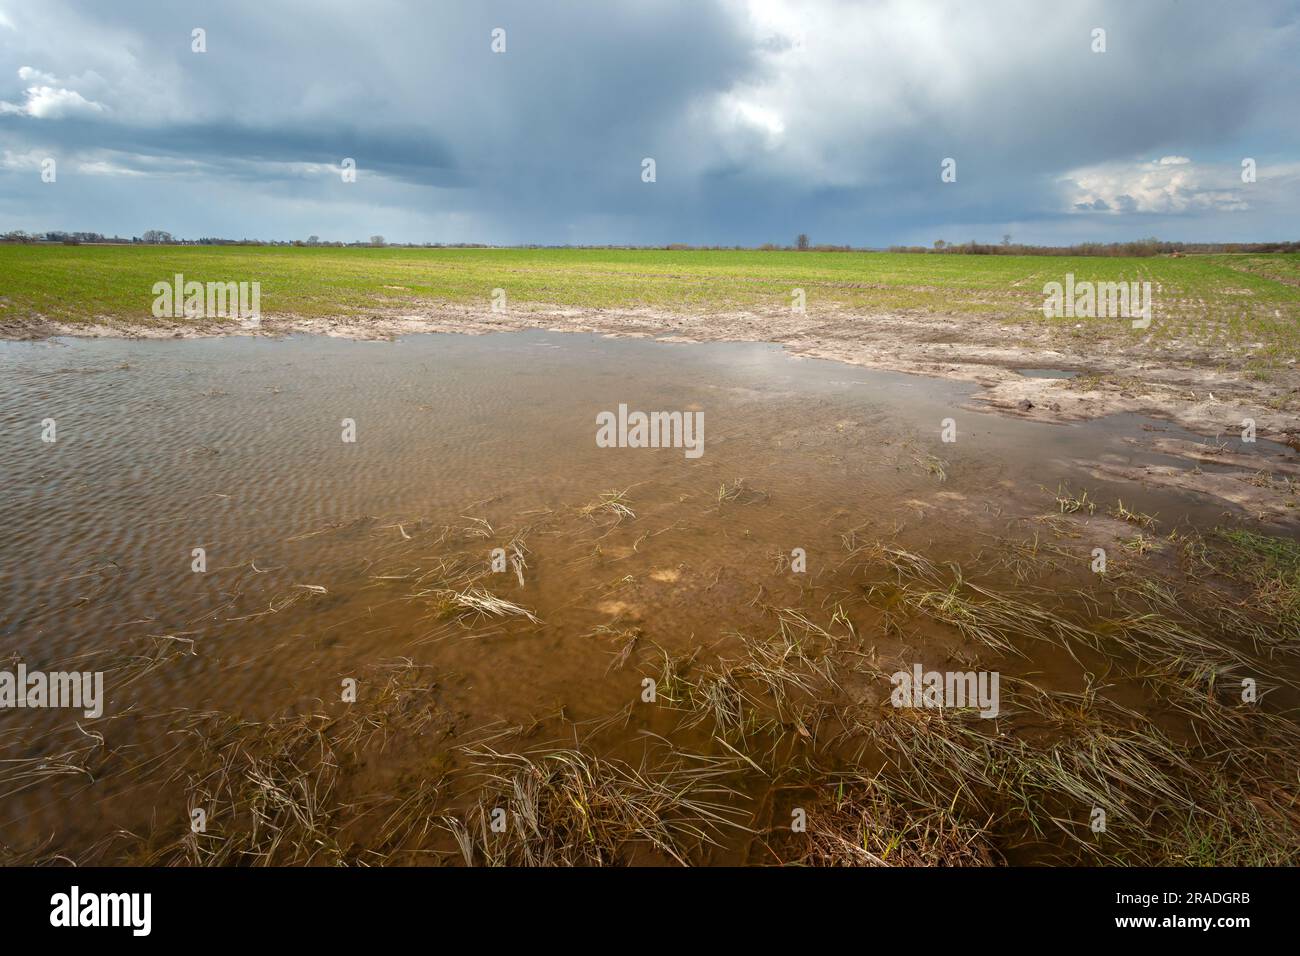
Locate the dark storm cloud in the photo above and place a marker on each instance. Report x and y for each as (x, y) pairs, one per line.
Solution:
(763, 118)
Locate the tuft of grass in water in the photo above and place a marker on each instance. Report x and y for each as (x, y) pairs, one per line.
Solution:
(857, 821)
(933, 465)
(568, 807)
(518, 555)
(1024, 560)
(628, 638)
(782, 680)
(738, 491)
(271, 791)
(1068, 503)
(1232, 829)
(610, 504)
(1140, 544)
(1133, 517)
(481, 603)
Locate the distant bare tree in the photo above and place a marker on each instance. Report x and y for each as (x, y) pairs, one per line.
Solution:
(802, 242)
(156, 236)
(1006, 238)
(939, 243)
(313, 240)
(376, 240)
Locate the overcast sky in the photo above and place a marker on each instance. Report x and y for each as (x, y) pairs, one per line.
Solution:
(764, 119)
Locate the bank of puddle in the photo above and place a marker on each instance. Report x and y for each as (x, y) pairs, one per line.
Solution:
(1046, 373)
(506, 596)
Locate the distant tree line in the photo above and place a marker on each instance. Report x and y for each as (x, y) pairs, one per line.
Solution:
(67, 238)
(1138, 247)
(1135, 248)
(159, 237)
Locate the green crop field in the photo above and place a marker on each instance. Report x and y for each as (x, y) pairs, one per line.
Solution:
(1241, 298)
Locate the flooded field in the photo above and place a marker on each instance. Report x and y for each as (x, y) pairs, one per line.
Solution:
(360, 602)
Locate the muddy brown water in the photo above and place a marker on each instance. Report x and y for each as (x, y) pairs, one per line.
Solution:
(235, 446)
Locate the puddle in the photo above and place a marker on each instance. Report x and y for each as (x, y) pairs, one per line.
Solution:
(326, 559)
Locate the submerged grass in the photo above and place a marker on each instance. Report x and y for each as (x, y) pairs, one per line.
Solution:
(787, 721)
(271, 792)
(567, 807)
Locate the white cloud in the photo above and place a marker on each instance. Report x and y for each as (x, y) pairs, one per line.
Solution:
(736, 114)
(48, 102)
(1167, 185)
(105, 168)
(47, 98)
(31, 159)
(29, 75)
